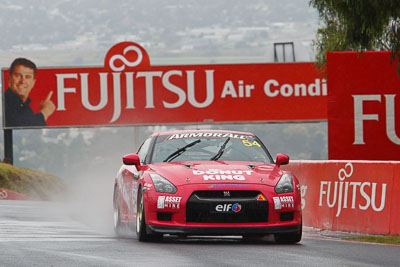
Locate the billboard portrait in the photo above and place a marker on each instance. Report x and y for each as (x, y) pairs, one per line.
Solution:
(20, 81)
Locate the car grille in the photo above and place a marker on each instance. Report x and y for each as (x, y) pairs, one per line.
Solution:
(247, 194)
(218, 206)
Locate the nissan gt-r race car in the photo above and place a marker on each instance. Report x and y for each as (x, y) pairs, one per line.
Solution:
(206, 182)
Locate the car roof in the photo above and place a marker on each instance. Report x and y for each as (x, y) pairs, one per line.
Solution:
(200, 131)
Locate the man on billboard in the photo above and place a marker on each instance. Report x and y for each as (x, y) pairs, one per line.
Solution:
(22, 78)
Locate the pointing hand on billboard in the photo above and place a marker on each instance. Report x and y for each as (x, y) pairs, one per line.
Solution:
(47, 106)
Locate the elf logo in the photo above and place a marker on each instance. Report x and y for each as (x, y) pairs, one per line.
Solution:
(228, 208)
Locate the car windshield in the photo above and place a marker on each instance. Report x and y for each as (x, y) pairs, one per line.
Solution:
(209, 146)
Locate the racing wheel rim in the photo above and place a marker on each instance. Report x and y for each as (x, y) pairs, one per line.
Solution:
(139, 216)
(115, 216)
(116, 213)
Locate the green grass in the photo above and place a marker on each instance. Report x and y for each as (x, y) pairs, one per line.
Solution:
(38, 185)
(376, 239)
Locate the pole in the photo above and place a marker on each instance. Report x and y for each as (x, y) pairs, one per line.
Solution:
(8, 146)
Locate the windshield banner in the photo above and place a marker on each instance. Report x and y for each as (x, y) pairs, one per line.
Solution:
(127, 90)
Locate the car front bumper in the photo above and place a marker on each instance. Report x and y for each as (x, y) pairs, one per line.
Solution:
(174, 230)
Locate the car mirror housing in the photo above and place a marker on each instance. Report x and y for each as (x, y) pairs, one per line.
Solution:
(131, 159)
(281, 159)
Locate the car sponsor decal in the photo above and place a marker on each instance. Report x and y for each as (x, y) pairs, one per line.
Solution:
(261, 197)
(228, 208)
(217, 175)
(147, 187)
(277, 203)
(227, 186)
(283, 202)
(250, 143)
(208, 135)
(125, 194)
(164, 202)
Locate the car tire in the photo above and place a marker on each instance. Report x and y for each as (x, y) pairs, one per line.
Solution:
(253, 238)
(118, 225)
(141, 232)
(289, 238)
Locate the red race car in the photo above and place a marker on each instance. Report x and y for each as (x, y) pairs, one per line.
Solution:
(206, 182)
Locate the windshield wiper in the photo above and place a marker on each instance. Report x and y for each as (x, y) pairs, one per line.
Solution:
(221, 150)
(180, 151)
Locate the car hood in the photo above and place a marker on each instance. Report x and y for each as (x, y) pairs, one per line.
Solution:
(206, 172)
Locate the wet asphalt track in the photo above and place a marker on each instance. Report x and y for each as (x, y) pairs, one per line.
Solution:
(53, 234)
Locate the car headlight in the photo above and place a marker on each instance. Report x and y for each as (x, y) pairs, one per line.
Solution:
(285, 184)
(162, 185)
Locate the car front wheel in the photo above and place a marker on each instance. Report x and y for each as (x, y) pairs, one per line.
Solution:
(141, 222)
(289, 238)
(117, 214)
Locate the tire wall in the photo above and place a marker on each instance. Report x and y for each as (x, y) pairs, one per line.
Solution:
(354, 196)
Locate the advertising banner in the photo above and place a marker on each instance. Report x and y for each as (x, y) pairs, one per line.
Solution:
(363, 106)
(354, 196)
(127, 90)
(6, 194)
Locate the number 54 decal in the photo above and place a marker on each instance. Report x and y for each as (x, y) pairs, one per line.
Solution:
(248, 143)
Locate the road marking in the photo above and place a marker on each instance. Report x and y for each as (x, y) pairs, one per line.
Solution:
(48, 231)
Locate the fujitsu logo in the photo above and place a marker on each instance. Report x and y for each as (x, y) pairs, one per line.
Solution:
(3, 194)
(360, 117)
(357, 194)
(125, 60)
(120, 64)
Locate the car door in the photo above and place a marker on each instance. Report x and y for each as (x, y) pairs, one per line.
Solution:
(131, 177)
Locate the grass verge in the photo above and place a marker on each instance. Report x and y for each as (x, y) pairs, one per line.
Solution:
(35, 184)
(376, 239)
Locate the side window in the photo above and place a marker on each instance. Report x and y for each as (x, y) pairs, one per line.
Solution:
(144, 148)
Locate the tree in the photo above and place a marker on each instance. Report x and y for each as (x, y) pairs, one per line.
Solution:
(357, 25)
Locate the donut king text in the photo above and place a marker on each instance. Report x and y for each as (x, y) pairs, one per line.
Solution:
(221, 175)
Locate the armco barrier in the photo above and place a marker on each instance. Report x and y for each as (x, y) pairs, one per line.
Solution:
(6, 194)
(355, 196)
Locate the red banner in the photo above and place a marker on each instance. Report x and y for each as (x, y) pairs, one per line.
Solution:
(363, 106)
(355, 196)
(128, 91)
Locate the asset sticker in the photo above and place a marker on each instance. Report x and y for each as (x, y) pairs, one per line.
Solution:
(160, 202)
(165, 202)
(277, 203)
(287, 202)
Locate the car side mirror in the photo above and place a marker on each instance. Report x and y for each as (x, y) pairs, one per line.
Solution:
(281, 159)
(131, 159)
